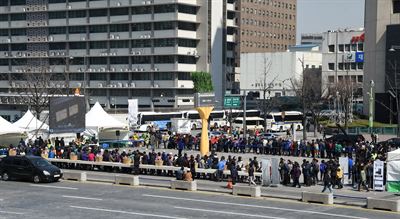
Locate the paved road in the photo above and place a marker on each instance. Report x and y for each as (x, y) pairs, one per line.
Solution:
(94, 200)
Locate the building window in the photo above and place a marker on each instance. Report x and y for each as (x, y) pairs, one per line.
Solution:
(354, 47)
(98, 77)
(119, 11)
(76, 14)
(142, 76)
(396, 6)
(340, 66)
(347, 66)
(360, 47)
(98, 13)
(360, 65)
(331, 48)
(353, 66)
(341, 48)
(360, 79)
(164, 76)
(331, 79)
(118, 76)
(331, 66)
(347, 47)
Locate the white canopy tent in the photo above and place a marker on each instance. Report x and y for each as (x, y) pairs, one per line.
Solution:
(104, 125)
(10, 134)
(32, 125)
(393, 155)
(393, 171)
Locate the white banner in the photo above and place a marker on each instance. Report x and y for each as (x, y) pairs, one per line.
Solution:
(275, 177)
(133, 110)
(344, 164)
(266, 172)
(378, 175)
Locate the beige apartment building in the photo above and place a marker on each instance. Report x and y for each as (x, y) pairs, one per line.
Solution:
(267, 25)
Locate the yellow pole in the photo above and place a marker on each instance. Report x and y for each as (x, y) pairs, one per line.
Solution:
(204, 113)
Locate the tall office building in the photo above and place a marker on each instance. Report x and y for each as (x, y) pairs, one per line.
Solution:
(267, 25)
(382, 28)
(119, 49)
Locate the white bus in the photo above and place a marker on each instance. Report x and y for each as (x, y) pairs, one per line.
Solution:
(160, 120)
(218, 118)
(252, 123)
(282, 121)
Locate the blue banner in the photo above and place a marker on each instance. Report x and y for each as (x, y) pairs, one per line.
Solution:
(359, 57)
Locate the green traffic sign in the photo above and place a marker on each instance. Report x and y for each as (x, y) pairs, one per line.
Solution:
(232, 102)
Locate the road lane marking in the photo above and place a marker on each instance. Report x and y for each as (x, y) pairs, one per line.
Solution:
(79, 197)
(125, 212)
(10, 212)
(230, 213)
(54, 187)
(252, 206)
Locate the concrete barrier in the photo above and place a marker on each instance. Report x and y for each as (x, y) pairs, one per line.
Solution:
(127, 180)
(392, 204)
(186, 185)
(253, 191)
(79, 176)
(324, 198)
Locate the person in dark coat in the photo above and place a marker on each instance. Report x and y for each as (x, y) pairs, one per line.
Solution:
(327, 181)
(296, 172)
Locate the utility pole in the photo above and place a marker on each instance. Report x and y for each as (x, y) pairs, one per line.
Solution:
(303, 101)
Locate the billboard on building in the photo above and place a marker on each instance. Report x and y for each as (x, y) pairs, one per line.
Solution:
(67, 114)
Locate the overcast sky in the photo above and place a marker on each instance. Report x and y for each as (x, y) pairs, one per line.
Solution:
(314, 16)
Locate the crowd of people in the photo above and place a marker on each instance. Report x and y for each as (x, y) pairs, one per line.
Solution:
(327, 171)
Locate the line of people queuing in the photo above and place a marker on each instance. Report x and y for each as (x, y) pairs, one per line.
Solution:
(330, 173)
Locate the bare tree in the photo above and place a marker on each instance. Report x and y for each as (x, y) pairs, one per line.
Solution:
(36, 86)
(344, 91)
(300, 88)
(266, 84)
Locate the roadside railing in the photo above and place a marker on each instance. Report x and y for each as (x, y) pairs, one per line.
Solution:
(143, 166)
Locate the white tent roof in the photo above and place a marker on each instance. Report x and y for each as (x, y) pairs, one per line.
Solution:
(7, 128)
(30, 123)
(394, 155)
(99, 119)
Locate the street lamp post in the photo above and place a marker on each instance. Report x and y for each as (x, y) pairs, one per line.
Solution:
(371, 105)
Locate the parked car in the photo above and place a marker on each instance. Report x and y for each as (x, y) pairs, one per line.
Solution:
(341, 138)
(31, 168)
(392, 142)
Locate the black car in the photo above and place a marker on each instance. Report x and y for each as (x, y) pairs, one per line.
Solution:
(32, 168)
(393, 142)
(349, 138)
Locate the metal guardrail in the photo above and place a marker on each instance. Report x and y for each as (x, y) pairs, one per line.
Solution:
(366, 130)
(143, 166)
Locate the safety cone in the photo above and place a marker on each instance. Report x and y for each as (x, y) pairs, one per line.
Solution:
(229, 186)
